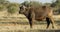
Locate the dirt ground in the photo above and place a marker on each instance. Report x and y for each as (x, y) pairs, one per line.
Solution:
(25, 28)
(18, 24)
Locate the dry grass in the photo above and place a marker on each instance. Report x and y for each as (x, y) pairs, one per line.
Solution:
(20, 24)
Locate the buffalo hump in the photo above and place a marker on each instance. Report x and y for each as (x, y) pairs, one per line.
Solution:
(41, 12)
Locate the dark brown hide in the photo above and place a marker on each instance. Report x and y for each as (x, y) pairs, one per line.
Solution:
(38, 13)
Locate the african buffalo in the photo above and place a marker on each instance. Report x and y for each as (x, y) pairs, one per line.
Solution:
(38, 13)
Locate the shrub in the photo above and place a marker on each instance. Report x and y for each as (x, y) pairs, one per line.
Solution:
(12, 9)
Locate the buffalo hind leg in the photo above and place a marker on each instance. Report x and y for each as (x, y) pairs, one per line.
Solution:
(48, 22)
(52, 21)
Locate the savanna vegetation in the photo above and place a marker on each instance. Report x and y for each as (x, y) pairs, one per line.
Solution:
(14, 7)
(11, 7)
(20, 24)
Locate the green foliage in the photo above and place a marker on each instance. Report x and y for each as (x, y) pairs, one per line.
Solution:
(2, 7)
(2, 1)
(13, 8)
(56, 5)
(26, 3)
(33, 3)
(6, 4)
(14, 4)
(57, 2)
(47, 4)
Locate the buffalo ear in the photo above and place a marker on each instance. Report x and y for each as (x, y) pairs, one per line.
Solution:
(20, 7)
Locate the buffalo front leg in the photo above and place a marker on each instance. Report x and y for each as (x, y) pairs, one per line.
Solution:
(31, 19)
(48, 22)
(30, 22)
(52, 21)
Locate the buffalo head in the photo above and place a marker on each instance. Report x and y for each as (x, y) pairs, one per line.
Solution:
(22, 9)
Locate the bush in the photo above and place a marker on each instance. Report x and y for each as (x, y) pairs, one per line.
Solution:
(12, 9)
(2, 7)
